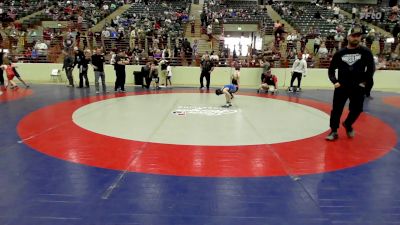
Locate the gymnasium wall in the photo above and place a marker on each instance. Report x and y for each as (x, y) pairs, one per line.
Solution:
(189, 76)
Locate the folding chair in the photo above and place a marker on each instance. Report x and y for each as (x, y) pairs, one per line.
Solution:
(55, 75)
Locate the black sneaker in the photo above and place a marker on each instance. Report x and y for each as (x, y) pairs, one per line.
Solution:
(332, 136)
(349, 131)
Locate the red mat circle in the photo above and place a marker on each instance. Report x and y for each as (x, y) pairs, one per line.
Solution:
(50, 130)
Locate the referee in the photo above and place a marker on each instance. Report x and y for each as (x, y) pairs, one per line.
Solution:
(355, 65)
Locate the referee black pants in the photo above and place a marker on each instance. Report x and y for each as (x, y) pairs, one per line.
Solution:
(356, 96)
(120, 81)
(207, 76)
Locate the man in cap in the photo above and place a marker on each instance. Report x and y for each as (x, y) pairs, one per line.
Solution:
(355, 65)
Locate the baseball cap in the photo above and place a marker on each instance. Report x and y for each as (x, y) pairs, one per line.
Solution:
(356, 29)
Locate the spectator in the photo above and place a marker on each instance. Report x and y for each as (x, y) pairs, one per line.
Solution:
(323, 51)
(317, 15)
(317, 44)
(369, 39)
(68, 43)
(209, 32)
(68, 66)
(354, 12)
(299, 69)
(338, 41)
(98, 67)
(154, 75)
(145, 71)
(336, 11)
(121, 60)
(41, 48)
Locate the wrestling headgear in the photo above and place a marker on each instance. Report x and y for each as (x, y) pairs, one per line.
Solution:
(218, 92)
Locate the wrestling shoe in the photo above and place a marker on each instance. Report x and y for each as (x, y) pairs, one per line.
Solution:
(349, 131)
(332, 136)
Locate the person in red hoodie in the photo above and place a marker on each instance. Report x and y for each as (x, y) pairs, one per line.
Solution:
(10, 74)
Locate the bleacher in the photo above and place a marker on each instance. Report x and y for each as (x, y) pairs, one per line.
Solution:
(306, 20)
(385, 23)
(21, 8)
(243, 12)
(143, 16)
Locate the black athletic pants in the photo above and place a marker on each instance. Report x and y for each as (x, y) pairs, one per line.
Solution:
(83, 75)
(356, 96)
(368, 87)
(295, 76)
(120, 81)
(207, 76)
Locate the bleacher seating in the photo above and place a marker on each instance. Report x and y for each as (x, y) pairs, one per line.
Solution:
(307, 20)
(386, 23)
(242, 12)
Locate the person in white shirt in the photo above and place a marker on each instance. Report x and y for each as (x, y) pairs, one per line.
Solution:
(105, 33)
(323, 51)
(354, 12)
(336, 11)
(338, 41)
(291, 41)
(209, 32)
(132, 38)
(169, 74)
(317, 44)
(299, 69)
(41, 47)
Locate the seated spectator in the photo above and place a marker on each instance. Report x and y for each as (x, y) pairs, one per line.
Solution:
(317, 15)
(323, 51)
(41, 48)
(28, 53)
(381, 64)
(214, 58)
(34, 54)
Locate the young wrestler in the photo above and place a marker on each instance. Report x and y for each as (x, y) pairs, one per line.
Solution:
(228, 90)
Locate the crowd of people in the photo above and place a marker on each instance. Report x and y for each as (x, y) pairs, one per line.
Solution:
(13, 10)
